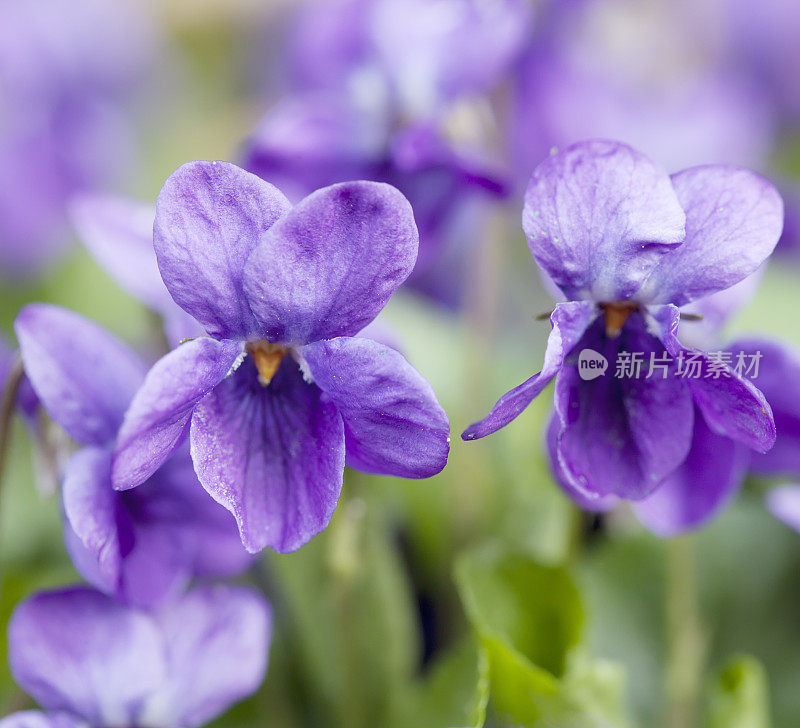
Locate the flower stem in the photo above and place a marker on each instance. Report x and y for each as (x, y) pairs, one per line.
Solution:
(345, 561)
(484, 278)
(7, 407)
(686, 637)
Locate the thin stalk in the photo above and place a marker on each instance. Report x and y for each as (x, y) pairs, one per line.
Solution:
(575, 537)
(7, 406)
(686, 637)
(156, 322)
(346, 568)
(485, 276)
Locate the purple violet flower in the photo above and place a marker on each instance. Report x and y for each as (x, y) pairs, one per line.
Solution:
(281, 393)
(628, 245)
(92, 662)
(141, 546)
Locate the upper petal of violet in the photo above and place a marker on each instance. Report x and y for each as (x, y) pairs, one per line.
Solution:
(599, 216)
(734, 219)
(209, 217)
(84, 376)
(329, 266)
(393, 423)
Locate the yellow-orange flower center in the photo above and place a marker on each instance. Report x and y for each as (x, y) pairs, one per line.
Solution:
(616, 314)
(267, 358)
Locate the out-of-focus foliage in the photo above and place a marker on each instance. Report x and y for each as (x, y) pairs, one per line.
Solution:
(739, 696)
(529, 620)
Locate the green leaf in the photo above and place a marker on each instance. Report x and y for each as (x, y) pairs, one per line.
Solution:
(739, 696)
(512, 598)
(529, 619)
(453, 692)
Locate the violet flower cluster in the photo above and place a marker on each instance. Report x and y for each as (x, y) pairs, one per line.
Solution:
(260, 416)
(176, 657)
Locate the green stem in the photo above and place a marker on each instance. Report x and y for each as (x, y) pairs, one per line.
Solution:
(345, 564)
(576, 533)
(160, 339)
(686, 637)
(474, 499)
(7, 406)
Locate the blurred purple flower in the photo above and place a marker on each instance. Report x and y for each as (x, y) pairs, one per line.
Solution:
(681, 124)
(628, 245)
(784, 504)
(382, 91)
(621, 70)
(427, 53)
(762, 40)
(281, 392)
(316, 140)
(66, 69)
(89, 661)
(141, 546)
